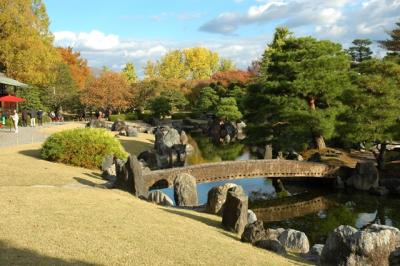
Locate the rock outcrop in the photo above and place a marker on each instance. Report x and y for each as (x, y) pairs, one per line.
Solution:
(216, 198)
(185, 190)
(349, 246)
(234, 215)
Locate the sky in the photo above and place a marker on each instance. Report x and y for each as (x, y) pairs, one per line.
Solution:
(112, 33)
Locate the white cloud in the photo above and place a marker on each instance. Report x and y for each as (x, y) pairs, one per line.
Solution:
(94, 39)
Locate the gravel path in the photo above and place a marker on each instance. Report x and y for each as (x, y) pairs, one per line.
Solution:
(26, 135)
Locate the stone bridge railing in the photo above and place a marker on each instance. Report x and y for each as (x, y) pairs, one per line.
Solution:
(220, 171)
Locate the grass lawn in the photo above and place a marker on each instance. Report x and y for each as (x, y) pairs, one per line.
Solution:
(52, 214)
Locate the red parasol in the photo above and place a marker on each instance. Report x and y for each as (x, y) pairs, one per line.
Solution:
(11, 99)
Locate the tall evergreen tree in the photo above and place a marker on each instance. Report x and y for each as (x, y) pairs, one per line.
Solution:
(392, 44)
(301, 80)
(373, 107)
(361, 50)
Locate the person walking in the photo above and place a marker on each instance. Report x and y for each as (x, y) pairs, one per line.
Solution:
(33, 117)
(24, 118)
(15, 119)
(40, 117)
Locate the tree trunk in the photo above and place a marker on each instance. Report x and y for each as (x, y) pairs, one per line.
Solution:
(318, 139)
(380, 159)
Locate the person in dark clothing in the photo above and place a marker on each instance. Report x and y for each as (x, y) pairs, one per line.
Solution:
(40, 117)
(25, 117)
(33, 117)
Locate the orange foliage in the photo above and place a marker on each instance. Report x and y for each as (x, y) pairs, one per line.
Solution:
(78, 66)
(226, 78)
(109, 90)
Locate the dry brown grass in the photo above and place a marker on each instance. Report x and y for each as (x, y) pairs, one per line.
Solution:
(47, 226)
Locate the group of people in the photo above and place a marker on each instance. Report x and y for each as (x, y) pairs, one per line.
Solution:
(28, 117)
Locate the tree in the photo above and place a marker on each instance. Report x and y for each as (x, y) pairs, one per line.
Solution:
(226, 65)
(208, 100)
(26, 50)
(360, 51)
(200, 62)
(172, 65)
(150, 70)
(176, 99)
(78, 66)
(160, 106)
(109, 90)
(32, 99)
(227, 109)
(301, 82)
(392, 44)
(129, 73)
(373, 107)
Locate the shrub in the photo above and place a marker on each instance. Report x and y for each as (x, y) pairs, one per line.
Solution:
(182, 115)
(124, 117)
(84, 147)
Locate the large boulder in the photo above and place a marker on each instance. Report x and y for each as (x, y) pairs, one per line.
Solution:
(349, 246)
(234, 214)
(160, 198)
(365, 176)
(171, 137)
(253, 232)
(185, 190)
(136, 183)
(295, 241)
(251, 217)
(131, 131)
(118, 125)
(271, 245)
(216, 198)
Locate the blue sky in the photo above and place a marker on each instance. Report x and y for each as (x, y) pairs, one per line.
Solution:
(115, 32)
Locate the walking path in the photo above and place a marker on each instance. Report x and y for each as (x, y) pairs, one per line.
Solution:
(28, 135)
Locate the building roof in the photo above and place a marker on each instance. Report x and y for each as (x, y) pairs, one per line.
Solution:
(10, 81)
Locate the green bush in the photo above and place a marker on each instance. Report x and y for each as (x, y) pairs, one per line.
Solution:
(145, 116)
(124, 117)
(84, 147)
(181, 115)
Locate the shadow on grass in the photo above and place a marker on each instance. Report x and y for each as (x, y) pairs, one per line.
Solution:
(94, 175)
(20, 256)
(88, 183)
(31, 153)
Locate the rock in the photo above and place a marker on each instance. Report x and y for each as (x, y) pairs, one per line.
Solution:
(273, 233)
(268, 152)
(394, 258)
(234, 215)
(339, 184)
(96, 123)
(184, 138)
(379, 191)
(185, 190)
(172, 137)
(136, 184)
(216, 198)
(253, 232)
(118, 125)
(121, 173)
(271, 245)
(349, 246)
(393, 184)
(314, 254)
(160, 198)
(240, 127)
(294, 240)
(365, 177)
(107, 162)
(251, 217)
(131, 131)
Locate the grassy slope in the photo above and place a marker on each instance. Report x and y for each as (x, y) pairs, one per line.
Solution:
(69, 223)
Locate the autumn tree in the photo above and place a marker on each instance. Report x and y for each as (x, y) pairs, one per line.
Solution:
(26, 51)
(226, 65)
(109, 90)
(150, 70)
(78, 66)
(172, 65)
(201, 62)
(129, 73)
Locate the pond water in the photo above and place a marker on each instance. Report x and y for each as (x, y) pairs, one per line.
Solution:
(324, 209)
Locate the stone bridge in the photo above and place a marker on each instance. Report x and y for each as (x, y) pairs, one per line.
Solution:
(228, 170)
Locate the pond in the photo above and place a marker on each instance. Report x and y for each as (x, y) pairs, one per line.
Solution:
(314, 208)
